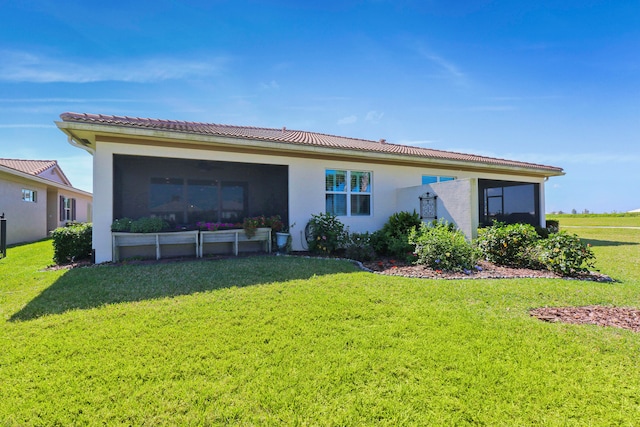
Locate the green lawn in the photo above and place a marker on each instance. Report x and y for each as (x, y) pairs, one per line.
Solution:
(292, 341)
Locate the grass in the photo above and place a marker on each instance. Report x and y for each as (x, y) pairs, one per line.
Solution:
(287, 341)
(601, 220)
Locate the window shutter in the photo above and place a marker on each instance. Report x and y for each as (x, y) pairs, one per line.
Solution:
(61, 208)
(73, 209)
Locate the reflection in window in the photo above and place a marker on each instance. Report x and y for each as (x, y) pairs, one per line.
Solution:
(233, 202)
(509, 202)
(166, 199)
(351, 200)
(431, 179)
(202, 200)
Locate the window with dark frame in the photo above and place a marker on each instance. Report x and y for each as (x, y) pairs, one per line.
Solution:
(67, 209)
(509, 202)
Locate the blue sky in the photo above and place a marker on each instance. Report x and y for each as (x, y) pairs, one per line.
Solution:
(551, 82)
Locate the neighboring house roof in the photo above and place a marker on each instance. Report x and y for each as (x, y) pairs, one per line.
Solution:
(294, 138)
(38, 168)
(46, 172)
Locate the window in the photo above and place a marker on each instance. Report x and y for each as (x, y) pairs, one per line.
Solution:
(430, 179)
(29, 196)
(508, 201)
(348, 193)
(67, 209)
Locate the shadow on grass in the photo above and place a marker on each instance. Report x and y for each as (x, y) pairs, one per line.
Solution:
(595, 242)
(96, 286)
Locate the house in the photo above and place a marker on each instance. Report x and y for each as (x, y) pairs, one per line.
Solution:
(187, 172)
(36, 197)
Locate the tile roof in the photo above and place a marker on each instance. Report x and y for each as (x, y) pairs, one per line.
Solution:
(32, 167)
(295, 137)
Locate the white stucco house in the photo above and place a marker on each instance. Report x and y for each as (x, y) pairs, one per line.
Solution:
(36, 197)
(187, 172)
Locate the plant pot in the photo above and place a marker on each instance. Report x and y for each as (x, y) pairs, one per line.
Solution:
(281, 241)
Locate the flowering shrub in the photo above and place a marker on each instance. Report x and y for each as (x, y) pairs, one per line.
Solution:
(510, 245)
(327, 233)
(358, 246)
(442, 247)
(393, 238)
(565, 254)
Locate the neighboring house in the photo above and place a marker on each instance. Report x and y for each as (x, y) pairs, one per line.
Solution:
(187, 172)
(36, 197)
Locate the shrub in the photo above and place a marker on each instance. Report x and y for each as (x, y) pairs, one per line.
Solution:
(122, 224)
(510, 245)
(72, 243)
(149, 225)
(440, 246)
(393, 238)
(358, 246)
(565, 254)
(326, 233)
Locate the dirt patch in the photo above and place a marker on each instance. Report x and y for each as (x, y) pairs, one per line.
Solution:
(617, 317)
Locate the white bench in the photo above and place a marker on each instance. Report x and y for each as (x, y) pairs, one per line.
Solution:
(235, 237)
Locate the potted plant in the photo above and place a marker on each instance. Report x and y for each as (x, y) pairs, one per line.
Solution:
(283, 238)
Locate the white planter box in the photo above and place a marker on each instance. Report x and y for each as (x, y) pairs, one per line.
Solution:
(235, 237)
(153, 239)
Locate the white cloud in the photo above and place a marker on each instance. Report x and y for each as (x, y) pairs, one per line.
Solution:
(348, 120)
(27, 67)
(271, 85)
(373, 116)
(446, 67)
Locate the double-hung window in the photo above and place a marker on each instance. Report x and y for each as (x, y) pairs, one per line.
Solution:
(67, 209)
(29, 195)
(348, 193)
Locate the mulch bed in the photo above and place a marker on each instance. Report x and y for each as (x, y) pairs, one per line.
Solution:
(486, 270)
(617, 317)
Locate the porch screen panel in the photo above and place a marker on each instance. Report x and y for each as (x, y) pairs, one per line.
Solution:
(509, 202)
(187, 191)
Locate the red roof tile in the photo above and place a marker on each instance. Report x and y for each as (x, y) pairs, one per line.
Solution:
(295, 137)
(32, 167)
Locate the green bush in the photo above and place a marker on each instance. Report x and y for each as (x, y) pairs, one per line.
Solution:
(509, 245)
(122, 224)
(358, 246)
(393, 238)
(565, 254)
(440, 246)
(149, 225)
(327, 233)
(72, 243)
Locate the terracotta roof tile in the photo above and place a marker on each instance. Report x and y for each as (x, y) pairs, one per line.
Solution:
(32, 167)
(295, 137)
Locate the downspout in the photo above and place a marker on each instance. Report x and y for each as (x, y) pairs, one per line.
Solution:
(77, 144)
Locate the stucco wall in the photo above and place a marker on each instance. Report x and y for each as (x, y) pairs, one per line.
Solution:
(306, 188)
(456, 202)
(26, 221)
